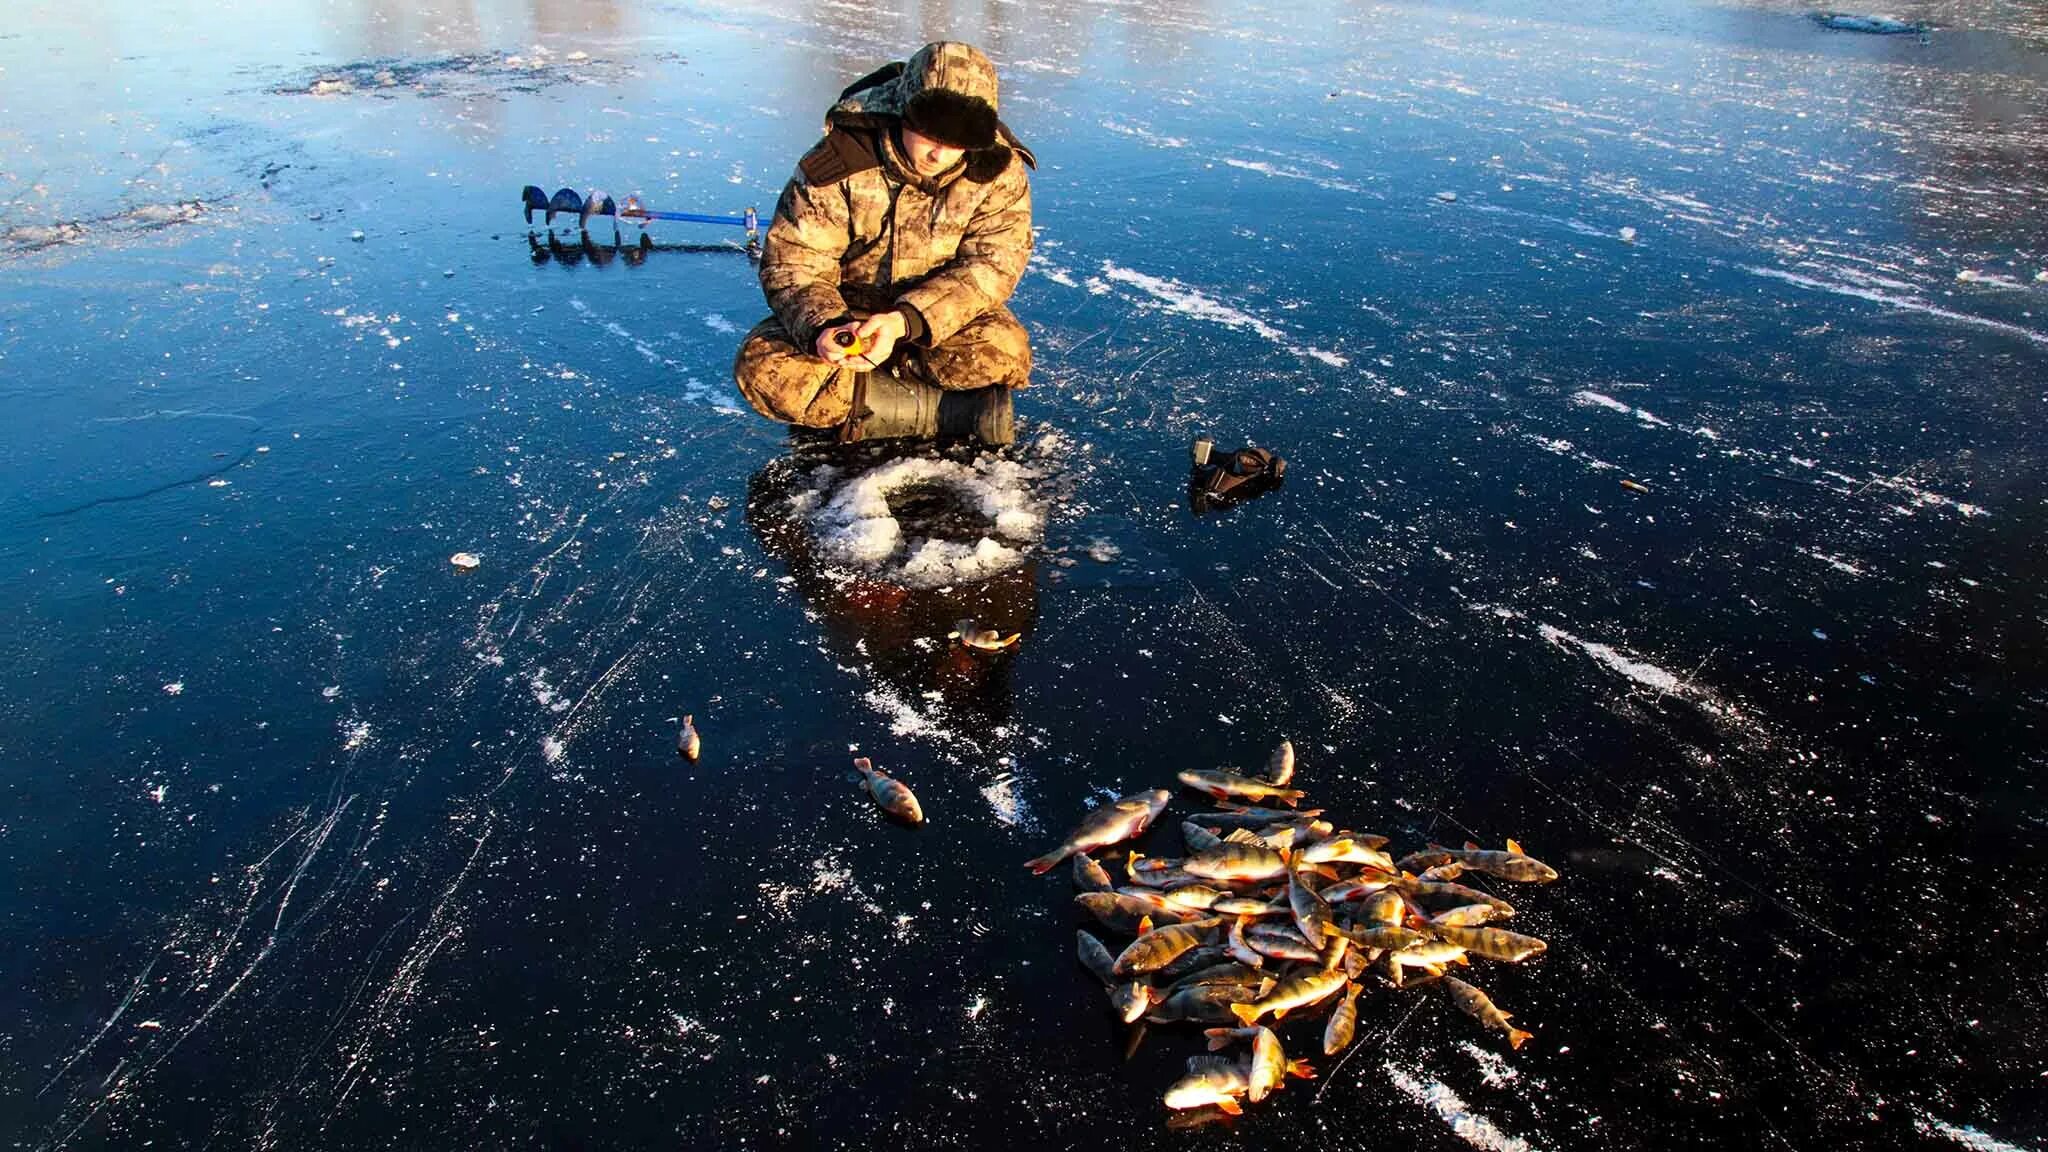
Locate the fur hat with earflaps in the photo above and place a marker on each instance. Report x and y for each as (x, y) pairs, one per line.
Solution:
(952, 118)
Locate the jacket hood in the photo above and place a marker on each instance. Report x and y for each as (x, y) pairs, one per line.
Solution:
(947, 73)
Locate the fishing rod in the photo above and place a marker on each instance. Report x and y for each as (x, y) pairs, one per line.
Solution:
(567, 202)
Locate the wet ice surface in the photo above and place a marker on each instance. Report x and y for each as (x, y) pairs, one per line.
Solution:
(315, 840)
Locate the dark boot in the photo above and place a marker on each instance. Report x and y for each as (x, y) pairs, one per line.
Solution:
(887, 407)
(984, 414)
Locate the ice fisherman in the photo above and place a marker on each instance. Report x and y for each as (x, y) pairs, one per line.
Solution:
(890, 257)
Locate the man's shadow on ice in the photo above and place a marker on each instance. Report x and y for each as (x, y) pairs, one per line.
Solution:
(899, 632)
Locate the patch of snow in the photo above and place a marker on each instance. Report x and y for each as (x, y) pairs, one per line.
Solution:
(1469, 1126)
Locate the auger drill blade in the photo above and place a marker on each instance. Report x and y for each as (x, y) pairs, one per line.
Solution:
(566, 202)
(596, 204)
(534, 199)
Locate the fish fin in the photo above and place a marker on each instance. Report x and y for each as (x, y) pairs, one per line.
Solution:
(1144, 925)
(1291, 796)
(1515, 848)
(860, 763)
(1229, 806)
(1471, 847)
(1279, 1013)
(1516, 1037)
(1230, 1105)
(1463, 959)
(1300, 1069)
(1043, 864)
(1131, 864)
(1219, 1038)
(1246, 1012)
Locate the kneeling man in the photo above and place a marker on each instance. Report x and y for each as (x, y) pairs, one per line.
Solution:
(892, 252)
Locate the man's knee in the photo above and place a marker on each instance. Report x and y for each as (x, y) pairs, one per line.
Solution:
(994, 348)
(783, 383)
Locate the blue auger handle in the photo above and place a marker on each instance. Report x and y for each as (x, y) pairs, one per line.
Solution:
(750, 221)
(568, 202)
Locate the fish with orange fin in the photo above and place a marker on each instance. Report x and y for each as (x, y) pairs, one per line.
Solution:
(1491, 943)
(1270, 1067)
(1463, 916)
(1280, 765)
(1158, 947)
(1416, 888)
(1343, 1022)
(1480, 1007)
(1112, 823)
(1297, 991)
(1237, 786)
(1216, 1080)
(973, 635)
(891, 794)
(1231, 862)
(1090, 876)
(1437, 863)
(1130, 999)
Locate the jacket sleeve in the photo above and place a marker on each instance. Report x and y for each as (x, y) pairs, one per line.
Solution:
(986, 268)
(800, 258)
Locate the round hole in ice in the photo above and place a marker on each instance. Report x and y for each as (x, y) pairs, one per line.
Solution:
(925, 522)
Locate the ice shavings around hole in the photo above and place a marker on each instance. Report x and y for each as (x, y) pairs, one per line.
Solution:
(1472, 1128)
(855, 527)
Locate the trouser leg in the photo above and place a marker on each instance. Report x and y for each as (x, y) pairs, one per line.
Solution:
(786, 383)
(992, 348)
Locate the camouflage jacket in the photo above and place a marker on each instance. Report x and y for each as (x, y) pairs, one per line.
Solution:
(857, 229)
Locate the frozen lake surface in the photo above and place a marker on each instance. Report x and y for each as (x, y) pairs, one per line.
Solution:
(313, 840)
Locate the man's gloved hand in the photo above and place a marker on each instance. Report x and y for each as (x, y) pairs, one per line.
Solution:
(872, 341)
(833, 345)
(878, 335)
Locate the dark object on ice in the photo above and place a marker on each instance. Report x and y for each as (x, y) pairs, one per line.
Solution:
(1875, 25)
(1220, 480)
(574, 251)
(887, 406)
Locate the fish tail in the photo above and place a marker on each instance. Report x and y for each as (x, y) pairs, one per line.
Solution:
(1229, 1104)
(1040, 865)
(861, 764)
(1301, 1069)
(1291, 796)
(1249, 1013)
(1516, 1036)
(1219, 1038)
